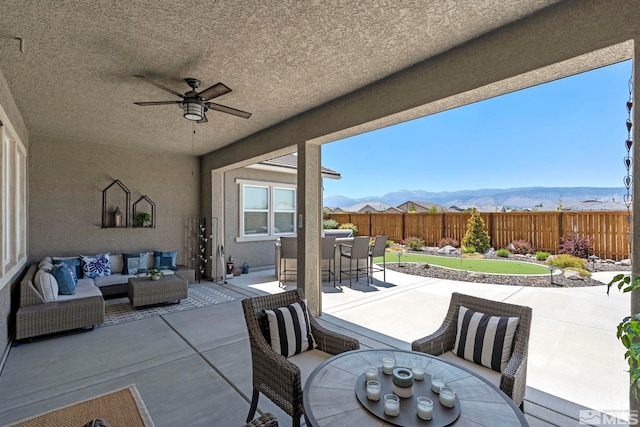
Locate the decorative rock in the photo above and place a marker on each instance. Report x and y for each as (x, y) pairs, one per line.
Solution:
(572, 275)
(477, 276)
(448, 249)
(625, 262)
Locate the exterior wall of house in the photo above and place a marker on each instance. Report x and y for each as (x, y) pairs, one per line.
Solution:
(66, 183)
(255, 253)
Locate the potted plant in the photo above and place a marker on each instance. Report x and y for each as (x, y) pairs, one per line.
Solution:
(155, 274)
(143, 219)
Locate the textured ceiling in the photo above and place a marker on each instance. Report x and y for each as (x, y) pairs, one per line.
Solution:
(74, 79)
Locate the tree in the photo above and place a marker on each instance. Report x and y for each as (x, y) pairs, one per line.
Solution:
(411, 208)
(433, 209)
(476, 235)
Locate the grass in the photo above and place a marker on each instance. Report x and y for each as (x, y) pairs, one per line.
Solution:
(468, 264)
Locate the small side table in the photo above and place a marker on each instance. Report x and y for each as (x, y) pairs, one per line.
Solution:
(144, 291)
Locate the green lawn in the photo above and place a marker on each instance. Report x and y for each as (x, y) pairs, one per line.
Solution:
(469, 264)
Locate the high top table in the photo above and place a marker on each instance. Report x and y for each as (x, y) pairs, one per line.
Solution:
(330, 399)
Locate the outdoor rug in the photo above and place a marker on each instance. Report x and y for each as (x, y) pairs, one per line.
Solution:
(119, 310)
(120, 408)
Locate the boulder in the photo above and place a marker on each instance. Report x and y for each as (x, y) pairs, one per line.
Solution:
(572, 275)
(448, 249)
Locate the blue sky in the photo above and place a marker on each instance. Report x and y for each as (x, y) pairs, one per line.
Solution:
(566, 133)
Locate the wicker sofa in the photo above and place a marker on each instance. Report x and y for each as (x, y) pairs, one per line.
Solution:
(35, 317)
(84, 309)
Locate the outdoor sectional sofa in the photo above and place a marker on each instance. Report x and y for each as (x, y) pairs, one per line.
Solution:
(84, 309)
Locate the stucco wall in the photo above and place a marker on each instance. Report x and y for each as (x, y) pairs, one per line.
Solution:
(255, 253)
(66, 183)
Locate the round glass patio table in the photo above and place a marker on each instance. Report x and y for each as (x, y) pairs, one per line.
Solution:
(330, 400)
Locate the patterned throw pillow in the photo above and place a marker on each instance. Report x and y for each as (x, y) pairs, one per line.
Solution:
(96, 265)
(164, 260)
(135, 263)
(290, 330)
(62, 274)
(483, 339)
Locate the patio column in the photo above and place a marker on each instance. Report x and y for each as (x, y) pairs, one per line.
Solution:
(309, 203)
(635, 239)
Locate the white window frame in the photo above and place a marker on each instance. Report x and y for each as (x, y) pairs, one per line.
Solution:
(13, 202)
(272, 186)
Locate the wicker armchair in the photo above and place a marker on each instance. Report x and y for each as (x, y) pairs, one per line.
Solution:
(513, 379)
(274, 375)
(264, 420)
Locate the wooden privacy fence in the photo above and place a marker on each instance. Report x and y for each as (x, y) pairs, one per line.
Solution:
(545, 230)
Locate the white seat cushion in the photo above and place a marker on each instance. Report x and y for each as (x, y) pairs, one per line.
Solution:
(307, 361)
(489, 374)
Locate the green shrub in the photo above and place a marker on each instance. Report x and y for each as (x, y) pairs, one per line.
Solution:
(522, 247)
(349, 226)
(566, 261)
(542, 256)
(502, 252)
(468, 249)
(415, 243)
(581, 271)
(330, 224)
(476, 234)
(448, 241)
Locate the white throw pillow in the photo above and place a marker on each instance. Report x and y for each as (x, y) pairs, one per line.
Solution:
(45, 265)
(483, 339)
(46, 284)
(290, 329)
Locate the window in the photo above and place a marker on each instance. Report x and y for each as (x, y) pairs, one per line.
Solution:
(266, 210)
(13, 202)
(6, 201)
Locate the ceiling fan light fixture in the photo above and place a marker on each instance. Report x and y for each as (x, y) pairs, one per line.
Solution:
(193, 111)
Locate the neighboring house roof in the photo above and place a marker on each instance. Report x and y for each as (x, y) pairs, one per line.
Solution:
(421, 206)
(289, 164)
(394, 210)
(596, 205)
(366, 207)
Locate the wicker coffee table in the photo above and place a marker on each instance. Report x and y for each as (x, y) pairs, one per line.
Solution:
(144, 291)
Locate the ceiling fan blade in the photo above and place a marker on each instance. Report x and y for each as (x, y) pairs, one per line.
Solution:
(203, 120)
(145, 104)
(160, 86)
(228, 110)
(214, 91)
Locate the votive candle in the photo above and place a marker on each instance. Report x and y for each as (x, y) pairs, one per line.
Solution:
(425, 407)
(373, 390)
(418, 372)
(436, 383)
(391, 405)
(371, 374)
(447, 397)
(388, 365)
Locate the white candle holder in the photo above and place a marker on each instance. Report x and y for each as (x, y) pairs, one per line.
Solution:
(373, 390)
(447, 397)
(391, 405)
(424, 407)
(436, 383)
(387, 365)
(418, 372)
(371, 374)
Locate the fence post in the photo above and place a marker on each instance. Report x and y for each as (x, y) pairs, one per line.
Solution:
(404, 229)
(370, 227)
(560, 229)
(492, 237)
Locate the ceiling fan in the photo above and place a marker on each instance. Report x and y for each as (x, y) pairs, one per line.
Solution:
(196, 104)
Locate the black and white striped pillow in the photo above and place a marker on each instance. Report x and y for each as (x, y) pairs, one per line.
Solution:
(289, 329)
(483, 339)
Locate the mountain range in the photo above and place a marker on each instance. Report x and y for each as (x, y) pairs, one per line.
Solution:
(523, 197)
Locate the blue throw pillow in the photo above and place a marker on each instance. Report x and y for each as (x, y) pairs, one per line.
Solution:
(63, 275)
(73, 262)
(135, 263)
(164, 260)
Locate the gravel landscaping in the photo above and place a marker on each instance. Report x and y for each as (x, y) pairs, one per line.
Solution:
(559, 279)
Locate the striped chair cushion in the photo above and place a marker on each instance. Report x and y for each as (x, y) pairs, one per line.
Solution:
(483, 339)
(289, 329)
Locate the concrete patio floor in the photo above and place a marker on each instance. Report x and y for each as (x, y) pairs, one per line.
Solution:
(193, 368)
